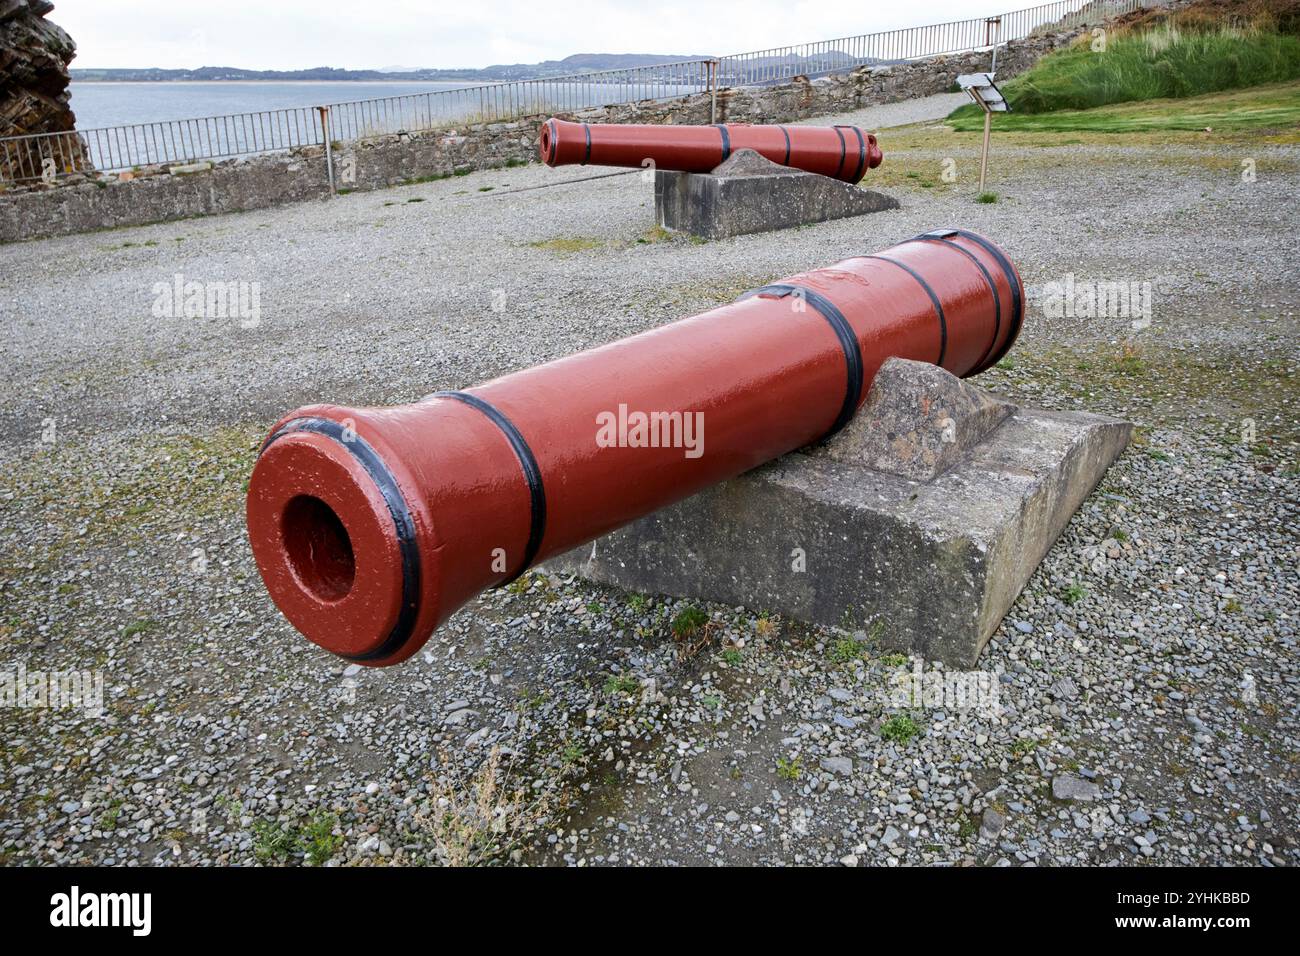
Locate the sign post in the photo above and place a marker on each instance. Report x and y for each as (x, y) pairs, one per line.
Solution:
(983, 91)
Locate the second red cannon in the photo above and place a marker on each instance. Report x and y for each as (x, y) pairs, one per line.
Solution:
(840, 152)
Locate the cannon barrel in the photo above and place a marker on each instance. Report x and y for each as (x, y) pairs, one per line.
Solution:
(841, 152)
(370, 526)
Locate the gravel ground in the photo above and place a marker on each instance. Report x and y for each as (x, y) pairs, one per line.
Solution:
(1147, 677)
(920, 110)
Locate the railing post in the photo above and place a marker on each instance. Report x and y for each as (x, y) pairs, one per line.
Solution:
(713, 91)
(984, 155)
(329, 149)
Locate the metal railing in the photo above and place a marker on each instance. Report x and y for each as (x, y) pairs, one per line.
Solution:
(782, 64)
(498, 102)
(113, 148)
(49, 156)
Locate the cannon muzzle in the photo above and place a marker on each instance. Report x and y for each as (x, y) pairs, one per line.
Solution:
(841, 152)
(371, 526)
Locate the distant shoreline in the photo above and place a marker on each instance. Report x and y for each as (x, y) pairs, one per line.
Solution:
(578, 64)
(277, 82)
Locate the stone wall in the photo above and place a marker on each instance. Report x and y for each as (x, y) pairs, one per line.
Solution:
(164, 193)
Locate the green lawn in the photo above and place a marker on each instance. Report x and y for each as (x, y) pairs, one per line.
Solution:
(1160, 63)
(1274, 106)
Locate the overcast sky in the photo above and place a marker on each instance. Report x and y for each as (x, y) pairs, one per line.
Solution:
(297, 34)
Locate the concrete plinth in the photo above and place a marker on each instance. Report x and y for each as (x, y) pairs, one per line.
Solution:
(921, 521)
(748, 193)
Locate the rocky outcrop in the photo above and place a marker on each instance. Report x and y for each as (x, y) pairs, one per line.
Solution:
(34, 96)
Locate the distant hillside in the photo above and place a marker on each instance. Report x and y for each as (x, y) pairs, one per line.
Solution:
(578, 63)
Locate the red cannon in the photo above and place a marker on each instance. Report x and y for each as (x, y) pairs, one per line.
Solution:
(370, 526)
(841, 152)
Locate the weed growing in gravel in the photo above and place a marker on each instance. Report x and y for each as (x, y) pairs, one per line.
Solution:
(654, 234)
(688, 621)
(521, 584)
(430, 178)
(732, 656)
(138, 627)
(965, 828)
(900, 729)
(621, 684)
(573, 753)
(317, 838)
(895, 660)
(272, 841)
(482, 821)
(637, 603)
(987, 198)
(567, 245)
(846, 650)
(789, 769)
(1025, 746)
(108, 820)
(1074, 593)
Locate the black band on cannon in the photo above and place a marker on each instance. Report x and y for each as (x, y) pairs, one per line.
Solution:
(988, 278)
(1017, 294)
(586, 158)
(532, 474)
(786, 133)
(843, 331)
(553, 153)
(843, 148)
(862, 154)
(726, 141)
(403, 523)
(934, 299)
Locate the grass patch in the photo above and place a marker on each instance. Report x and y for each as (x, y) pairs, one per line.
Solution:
(317, 838)
(1162, 63)
(273, 842)
(900, 729)
(138, 627)
(688, 622)
(567, 244)
(622, 684)
(987, 198)
(654, 234)
(1265, 107)
(428, 178)
(846, 650)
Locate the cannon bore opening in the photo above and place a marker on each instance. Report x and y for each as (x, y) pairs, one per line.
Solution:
(319, 548)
